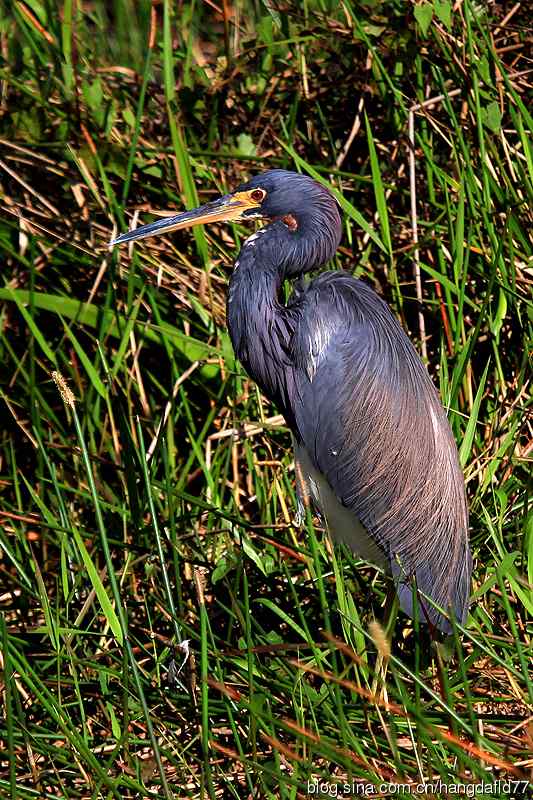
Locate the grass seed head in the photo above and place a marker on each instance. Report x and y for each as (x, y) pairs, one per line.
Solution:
(64, 390)
(379, 637)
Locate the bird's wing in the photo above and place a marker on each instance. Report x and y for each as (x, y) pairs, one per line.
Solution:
(369, 419)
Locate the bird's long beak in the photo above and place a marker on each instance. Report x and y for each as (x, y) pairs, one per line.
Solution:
(226, 208)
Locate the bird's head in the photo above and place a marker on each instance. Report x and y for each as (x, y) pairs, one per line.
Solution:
(289, 196)
(301, 203)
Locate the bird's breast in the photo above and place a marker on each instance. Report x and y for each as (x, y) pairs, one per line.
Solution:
(341, 522)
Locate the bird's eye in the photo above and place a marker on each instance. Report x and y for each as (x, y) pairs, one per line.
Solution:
(258, 195)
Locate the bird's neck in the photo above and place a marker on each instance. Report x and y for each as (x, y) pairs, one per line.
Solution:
(258, 321)
(260, 325)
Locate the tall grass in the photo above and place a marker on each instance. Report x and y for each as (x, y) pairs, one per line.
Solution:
(166, 629)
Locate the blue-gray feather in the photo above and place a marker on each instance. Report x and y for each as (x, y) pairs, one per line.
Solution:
(381, 438)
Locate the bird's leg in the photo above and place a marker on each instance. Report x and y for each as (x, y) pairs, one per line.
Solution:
(302, 495)
(390, 610)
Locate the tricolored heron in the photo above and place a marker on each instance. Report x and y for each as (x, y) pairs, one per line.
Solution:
(372, 442)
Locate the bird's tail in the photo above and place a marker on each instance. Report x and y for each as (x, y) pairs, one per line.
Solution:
(416, 588)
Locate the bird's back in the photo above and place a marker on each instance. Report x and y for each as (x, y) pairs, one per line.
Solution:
(369, 419)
